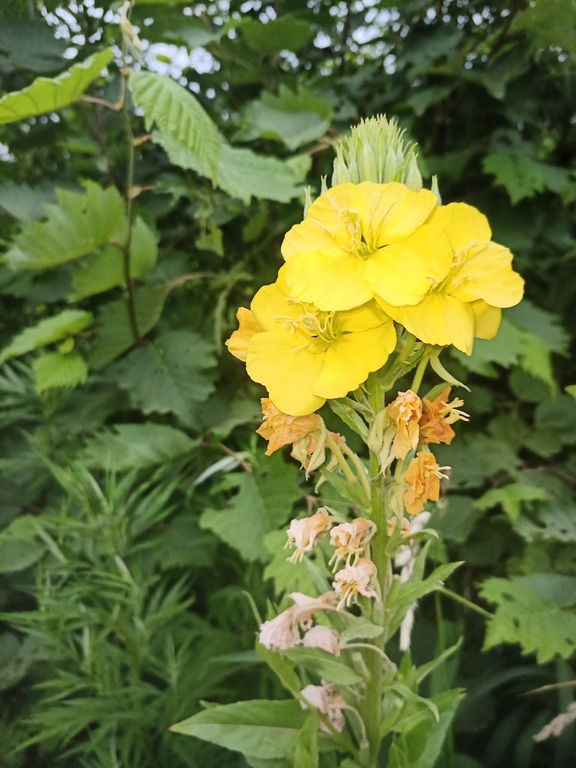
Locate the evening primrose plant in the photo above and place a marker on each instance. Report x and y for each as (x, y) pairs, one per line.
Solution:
(377, 280)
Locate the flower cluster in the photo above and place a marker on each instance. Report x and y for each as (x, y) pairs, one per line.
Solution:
(367, 256)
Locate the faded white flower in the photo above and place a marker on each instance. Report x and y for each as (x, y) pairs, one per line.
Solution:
(322, 637)
(329, 701)
(283, 631)
(351, 539)
(303, 533)
(357, 579)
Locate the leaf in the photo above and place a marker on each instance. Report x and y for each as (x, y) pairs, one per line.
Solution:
(135, 446)
(305, 753)
(511, 498)
(24, 202)
(172, 375)
(293, 118)
(54, 370)
(244, 174)
(261, 503)
(20, 545)
(48, 331)
(16, 658)
(265, 729)
(554, 587)
(80, 223)
(182, 123)
(287, 577)
(571, 390)
(546, 24)
(504, 349)
(106, 269)
(29, 44)
(282, 668)
(552, 522)
(522, 176)
(113, 331)
(523, 616)
(48, 95)
(324, 664)
(284, 33)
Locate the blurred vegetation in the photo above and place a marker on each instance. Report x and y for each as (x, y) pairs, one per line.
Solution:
(146, 182)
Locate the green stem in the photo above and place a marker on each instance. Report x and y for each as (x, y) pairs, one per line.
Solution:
(342, 463)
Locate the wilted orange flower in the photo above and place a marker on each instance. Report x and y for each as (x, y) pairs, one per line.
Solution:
(405, 412)
(423, 476)
(238, 342)
(281, 429)
(438, 416)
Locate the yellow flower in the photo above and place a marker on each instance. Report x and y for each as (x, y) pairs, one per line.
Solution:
(405, 412)
(364, 240)
(238, 343)
(466, 303)
(304, 356)
(423, 476)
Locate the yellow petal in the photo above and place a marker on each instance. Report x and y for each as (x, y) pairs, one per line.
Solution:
(288, 373)
(362, 318)
(238, 342)
(486, 273)
(352, 357)
(438, 319)
(390, 213)
(403, 273)
(331, 282)
(487, 319)
(463, 224)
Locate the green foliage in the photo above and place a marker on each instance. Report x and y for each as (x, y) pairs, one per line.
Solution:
(133, 514)
(50, 95)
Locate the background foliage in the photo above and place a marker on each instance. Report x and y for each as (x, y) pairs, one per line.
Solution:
(140, 207)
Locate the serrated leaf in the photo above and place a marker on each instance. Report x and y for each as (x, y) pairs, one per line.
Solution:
(523, 616)
(48, 331)
(106, 269)
(553, 522)
(555, 587)
(264, 729)
(511, 498)
(261, 503)
(80, 223)
(24, 202)
(504, 349)
(113, 330)
(50, 94)
(517, 173)
(56, 371)
(171, 375)
(244, 174)
(182, 123)
(287, 577)
(295, 118)
(542, 324)
(135, 446)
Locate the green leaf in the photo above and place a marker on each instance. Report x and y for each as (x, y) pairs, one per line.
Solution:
(172, 375)
(305, 753)
(49, 95)
(324, 664)
(262, 501)
(48, 331)
(287, 577)
(522, 176)
(571, 390)
(552, 522)
(282, 668)
(511, 498)
(24, 202)
(525, 617)
(554, 587)
(113, 330)
(292, 118)
(106, 269)
(56, 371)
(80, 223)
(284, 33)
(20, 544)
(265, 729)
(184, 128)
(28, 43)
(16, 658)
(244, 174)
(504, 349)
(135, 446)
(547, 24)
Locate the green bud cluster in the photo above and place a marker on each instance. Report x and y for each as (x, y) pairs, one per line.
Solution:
(376, 151)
